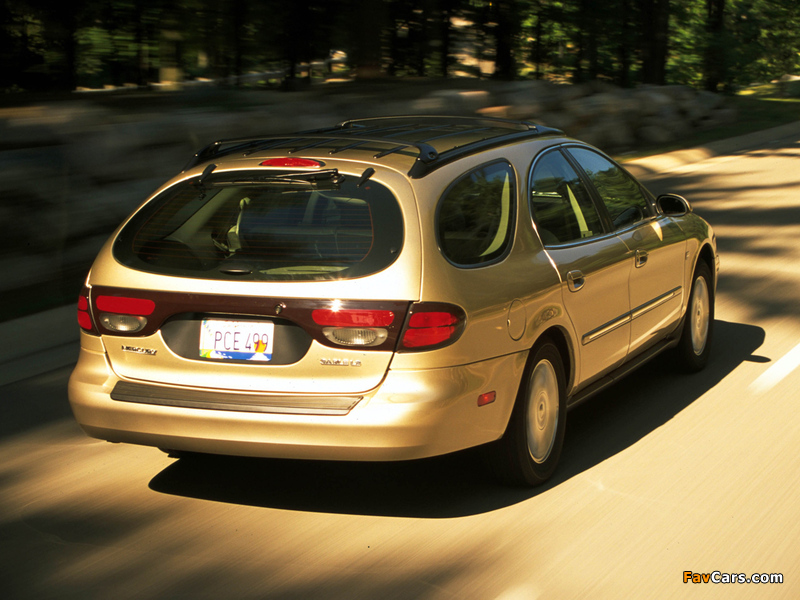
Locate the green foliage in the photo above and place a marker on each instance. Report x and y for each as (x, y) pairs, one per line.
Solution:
(765, 35)
(46, 45)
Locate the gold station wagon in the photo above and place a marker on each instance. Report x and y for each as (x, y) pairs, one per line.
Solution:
(387, 289)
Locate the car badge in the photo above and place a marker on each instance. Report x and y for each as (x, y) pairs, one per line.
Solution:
(137, 350)
(339, 362)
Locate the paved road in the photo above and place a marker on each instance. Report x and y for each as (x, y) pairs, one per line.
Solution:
(661, 475)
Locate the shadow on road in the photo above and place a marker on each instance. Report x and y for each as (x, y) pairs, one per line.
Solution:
(33, 402)
(459, 484)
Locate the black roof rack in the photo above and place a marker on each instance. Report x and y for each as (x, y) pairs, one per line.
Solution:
(394, 132)
(444, 120)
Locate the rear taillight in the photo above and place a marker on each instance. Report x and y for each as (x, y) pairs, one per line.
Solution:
(84, 315)
(352, 318)
(123, 314)
(354, 327)
(432, 325)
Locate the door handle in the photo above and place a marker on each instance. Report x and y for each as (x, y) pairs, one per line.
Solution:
(641, 258)
(575, 280)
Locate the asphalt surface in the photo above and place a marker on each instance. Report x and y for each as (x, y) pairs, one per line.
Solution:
(661, 475)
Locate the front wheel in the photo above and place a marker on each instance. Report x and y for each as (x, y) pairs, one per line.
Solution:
(528, 452)
(695, 345)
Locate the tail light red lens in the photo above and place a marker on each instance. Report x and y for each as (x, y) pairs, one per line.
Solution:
(84, 318)
(125, 306)
(123, 314)
(352, 318)
(432, 325)
(431, 320)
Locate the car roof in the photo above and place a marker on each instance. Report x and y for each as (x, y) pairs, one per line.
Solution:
(417, 144)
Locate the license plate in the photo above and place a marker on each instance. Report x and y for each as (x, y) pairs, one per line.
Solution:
(237, 340)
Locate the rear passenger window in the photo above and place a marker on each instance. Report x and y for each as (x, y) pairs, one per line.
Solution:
(261, 226)
(476, 215)
(624, 199)
(560, 206)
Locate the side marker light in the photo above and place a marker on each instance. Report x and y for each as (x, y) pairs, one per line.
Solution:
(487, 398)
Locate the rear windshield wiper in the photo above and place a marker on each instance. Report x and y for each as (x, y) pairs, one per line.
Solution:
(200, 183)
(312, 178)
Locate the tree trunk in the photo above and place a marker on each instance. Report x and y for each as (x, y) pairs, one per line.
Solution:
(715, 48)
(367, 28)
(142, 58)
(623, 79)
(537, 42)
(655, 36)
(238, 19)
(445, 27)
(506, 17)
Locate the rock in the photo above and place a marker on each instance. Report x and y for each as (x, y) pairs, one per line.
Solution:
(529, 93)
(651, 102)
(654, 134)
(524, 112)
(679, 93)
(709, 100)
(790, 88)
(85, 166)
(610, 134)
(559, 120)
(462, 101)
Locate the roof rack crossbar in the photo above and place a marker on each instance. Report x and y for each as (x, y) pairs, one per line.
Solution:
(347, 147)
(392, 151)
(510, 123)
(428, 157)
(426, 152)
(213, 149)
(420, 170)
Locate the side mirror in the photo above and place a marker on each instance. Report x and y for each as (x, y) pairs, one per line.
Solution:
(673, 205)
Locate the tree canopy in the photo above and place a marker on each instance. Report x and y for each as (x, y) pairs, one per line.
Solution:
(715, 44)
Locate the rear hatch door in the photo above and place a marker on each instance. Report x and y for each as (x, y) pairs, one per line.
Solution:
(257, 282)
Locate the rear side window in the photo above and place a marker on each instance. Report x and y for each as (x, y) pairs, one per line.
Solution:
(560, 205)
(244, 225)
(476, 215)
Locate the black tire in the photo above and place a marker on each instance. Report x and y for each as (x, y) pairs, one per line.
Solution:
(528, 452)
(179, 453)
(695, 344)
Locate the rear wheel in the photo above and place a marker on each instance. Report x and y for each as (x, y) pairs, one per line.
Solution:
(695, 346)
(528, 452)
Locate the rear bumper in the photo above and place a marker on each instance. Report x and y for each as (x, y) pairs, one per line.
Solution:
(411, 414)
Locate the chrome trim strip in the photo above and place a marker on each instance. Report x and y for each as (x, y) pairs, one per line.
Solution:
(655, 303)
(607, 328)
(580, 242)
(628, 317)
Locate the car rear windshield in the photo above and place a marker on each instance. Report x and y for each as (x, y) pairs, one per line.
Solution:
(280, 226)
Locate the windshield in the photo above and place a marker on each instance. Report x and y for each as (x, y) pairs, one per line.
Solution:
(244, 225)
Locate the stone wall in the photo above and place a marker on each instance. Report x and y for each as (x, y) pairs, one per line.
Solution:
(71, 170)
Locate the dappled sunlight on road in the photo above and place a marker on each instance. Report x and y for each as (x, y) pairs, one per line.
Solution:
(755, 214)
(80, 514)
(661, 473)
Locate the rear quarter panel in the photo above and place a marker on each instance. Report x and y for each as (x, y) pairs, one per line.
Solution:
(524, 278)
